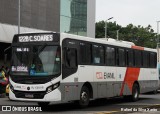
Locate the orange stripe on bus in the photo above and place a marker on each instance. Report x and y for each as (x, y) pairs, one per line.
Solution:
(131, 76)
(137, 47)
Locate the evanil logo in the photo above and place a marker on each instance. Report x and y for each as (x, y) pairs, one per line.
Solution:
(36, 38)
(105, 75)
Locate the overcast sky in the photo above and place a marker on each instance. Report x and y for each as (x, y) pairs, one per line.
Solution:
(137, 12)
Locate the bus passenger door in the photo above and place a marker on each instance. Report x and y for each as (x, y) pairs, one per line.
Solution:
(70, 74)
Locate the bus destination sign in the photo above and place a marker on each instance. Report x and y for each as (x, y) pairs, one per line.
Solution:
(36, 38)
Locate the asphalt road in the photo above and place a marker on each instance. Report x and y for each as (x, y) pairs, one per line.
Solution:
(148, 103)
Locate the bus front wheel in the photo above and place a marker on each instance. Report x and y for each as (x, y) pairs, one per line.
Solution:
(84, 97)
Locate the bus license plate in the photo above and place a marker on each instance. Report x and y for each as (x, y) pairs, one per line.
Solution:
(29, 96)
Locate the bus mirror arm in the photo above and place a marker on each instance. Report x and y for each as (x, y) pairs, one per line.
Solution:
(5, 55)
(7, 49)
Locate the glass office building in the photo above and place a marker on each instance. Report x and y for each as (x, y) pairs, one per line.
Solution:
(73, 17)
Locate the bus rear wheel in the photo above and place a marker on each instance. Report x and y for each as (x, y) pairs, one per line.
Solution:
(135, 92)
(84, 97)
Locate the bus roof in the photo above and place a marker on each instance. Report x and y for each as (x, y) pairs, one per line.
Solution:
(109, 41)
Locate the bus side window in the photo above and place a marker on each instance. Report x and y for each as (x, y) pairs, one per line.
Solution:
(98, 54)
(110, 56)
(85, 53)
(121, 57)
(70, 58)
(138, 58)
(130, 58)
(145, 59)
(153, 60)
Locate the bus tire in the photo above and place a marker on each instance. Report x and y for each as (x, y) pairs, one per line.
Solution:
(135, 93)
(84, 97)
(155, 91)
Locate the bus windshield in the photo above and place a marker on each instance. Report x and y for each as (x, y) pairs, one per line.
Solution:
(33, 60)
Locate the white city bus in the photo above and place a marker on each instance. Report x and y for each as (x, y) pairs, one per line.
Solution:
(59, 67)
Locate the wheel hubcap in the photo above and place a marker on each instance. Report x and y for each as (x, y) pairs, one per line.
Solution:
(136, 93)
(84, 96)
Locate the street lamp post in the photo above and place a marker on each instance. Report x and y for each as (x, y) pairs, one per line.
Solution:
(158, 31)
(19, 15)
(106, 26)
(158, 39)
(117, 34)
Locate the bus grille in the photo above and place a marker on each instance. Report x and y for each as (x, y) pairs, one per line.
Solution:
(33, 95)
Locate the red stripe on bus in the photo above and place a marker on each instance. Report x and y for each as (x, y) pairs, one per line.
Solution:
(131, 76)
(137, 47)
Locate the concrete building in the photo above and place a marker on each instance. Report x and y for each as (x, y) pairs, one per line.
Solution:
(70, 16)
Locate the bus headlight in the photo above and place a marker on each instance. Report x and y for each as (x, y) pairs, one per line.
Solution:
(52, 87)
(49, 89)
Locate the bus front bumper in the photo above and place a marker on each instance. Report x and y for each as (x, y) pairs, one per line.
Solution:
(54, 95)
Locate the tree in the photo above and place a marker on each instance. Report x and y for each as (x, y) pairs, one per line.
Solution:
(142, 36)
(111, 29)
(100, 30)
